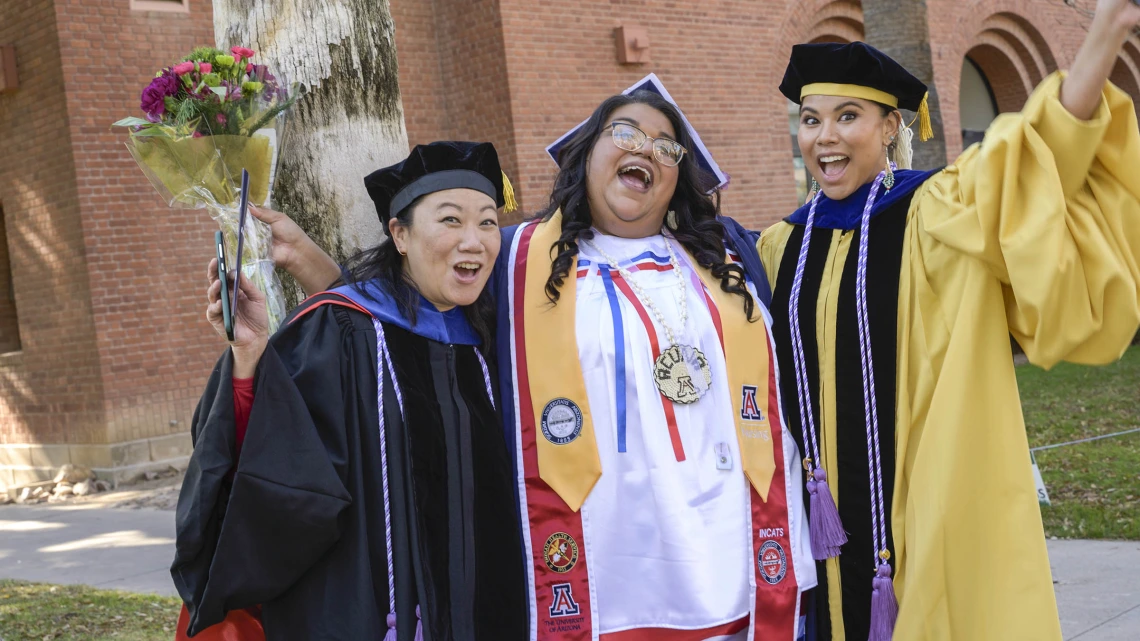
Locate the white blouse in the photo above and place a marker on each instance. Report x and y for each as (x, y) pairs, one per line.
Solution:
(668, 541)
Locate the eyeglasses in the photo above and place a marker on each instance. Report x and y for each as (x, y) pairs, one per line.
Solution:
(666, 151)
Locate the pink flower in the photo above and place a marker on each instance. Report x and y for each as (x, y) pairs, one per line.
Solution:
(205, 67)
(221, 119)
(242, 52)
(197, 134)
(183, 68)
(249, 67)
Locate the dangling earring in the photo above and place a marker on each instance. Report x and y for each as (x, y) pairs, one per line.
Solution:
(889, 180)
(814, 189)
(671, 220)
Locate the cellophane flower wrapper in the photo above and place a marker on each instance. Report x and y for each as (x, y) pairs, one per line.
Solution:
(205, 173)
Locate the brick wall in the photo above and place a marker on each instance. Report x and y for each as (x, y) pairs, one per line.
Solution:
(1015, 43)
(417, 50)
(146, 262)
(718, 60)
(51, 390)
(722, 61)
(107, 279)
(452, 62)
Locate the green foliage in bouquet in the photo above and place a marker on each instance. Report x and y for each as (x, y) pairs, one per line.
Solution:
(210, 93)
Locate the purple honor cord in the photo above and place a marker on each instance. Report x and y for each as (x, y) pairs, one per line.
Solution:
(824, 527)
(384, 363)
(824, 516)
(884, 604)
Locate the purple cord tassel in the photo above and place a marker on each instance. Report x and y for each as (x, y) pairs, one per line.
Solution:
(884, 605)
(419, 626)
(827, 534)
(391, 635)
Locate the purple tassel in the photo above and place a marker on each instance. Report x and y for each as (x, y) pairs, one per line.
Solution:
(391, 635)
(884, 605)
(419, 626)
(827, 534)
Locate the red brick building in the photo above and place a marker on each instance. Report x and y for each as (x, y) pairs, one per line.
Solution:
(103, 348)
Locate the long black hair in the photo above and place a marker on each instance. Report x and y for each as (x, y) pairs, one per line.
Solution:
(698, 229)
(385, 264)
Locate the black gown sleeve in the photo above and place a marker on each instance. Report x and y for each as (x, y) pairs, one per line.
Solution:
(245, 540)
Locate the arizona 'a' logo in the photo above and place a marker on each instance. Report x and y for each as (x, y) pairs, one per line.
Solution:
(564, 604)
(749, 408)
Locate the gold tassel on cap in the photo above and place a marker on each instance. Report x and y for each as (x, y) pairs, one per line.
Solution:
(509, 202)
(925, 130)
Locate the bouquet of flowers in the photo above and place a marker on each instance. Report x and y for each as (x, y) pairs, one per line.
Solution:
(207, 118)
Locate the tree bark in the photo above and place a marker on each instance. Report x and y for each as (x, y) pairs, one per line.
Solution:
(350, 121)
(901, 30)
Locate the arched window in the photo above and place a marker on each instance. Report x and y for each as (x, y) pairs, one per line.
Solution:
(977, 107)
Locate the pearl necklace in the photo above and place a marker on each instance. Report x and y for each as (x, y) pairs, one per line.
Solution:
(673, 369)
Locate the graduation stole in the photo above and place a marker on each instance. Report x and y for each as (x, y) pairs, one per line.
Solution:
(559, 462)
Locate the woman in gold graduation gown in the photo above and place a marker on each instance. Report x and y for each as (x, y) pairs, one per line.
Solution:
(895, 293)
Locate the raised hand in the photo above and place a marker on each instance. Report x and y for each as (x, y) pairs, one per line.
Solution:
(251, 321)
(296, 253)
(1112, 24)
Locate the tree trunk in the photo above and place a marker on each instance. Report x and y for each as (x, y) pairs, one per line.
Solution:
(348, 124)
(901, 30)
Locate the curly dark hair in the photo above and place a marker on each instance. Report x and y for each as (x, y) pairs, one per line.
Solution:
(385, 264)
(698, 229)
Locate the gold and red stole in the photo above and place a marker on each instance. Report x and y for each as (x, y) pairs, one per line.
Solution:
(558, 462)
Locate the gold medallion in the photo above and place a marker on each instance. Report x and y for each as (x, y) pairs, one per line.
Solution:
(673, 372)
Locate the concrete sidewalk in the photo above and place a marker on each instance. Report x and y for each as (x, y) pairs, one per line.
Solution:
(88, 544)
(1097, 582)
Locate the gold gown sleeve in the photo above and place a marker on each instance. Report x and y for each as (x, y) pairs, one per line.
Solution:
(1034, 232)
(1051, 205)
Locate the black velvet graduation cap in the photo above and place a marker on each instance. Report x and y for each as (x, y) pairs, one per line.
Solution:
(435, 167)
(855, 70)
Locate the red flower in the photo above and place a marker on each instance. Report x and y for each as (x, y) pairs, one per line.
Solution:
(205, 67)
(183, 68)
(242, 52)
(249, 67)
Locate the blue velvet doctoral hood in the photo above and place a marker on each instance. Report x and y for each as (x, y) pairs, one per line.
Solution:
(845, 214)
(450, 327)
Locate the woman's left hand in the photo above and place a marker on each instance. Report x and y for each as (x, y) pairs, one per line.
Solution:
(1111, 26)
(1124, 14)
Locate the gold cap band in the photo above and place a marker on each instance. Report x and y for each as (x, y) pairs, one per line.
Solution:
(848, 91)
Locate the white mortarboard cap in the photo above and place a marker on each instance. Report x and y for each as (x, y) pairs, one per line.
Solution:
(700, 154)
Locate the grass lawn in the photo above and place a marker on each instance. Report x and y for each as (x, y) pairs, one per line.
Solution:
(37, 612)
(1094, 487)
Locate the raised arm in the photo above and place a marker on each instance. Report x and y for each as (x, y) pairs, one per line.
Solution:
(1114, 21)
(297, 254)
(1049, 202)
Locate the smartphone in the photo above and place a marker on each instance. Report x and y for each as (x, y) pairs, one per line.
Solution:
(243, 207)
(227, 311)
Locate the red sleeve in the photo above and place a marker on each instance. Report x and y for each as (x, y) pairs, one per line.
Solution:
(243, 403)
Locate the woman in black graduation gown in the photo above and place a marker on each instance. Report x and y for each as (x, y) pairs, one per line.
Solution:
(351, 473)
